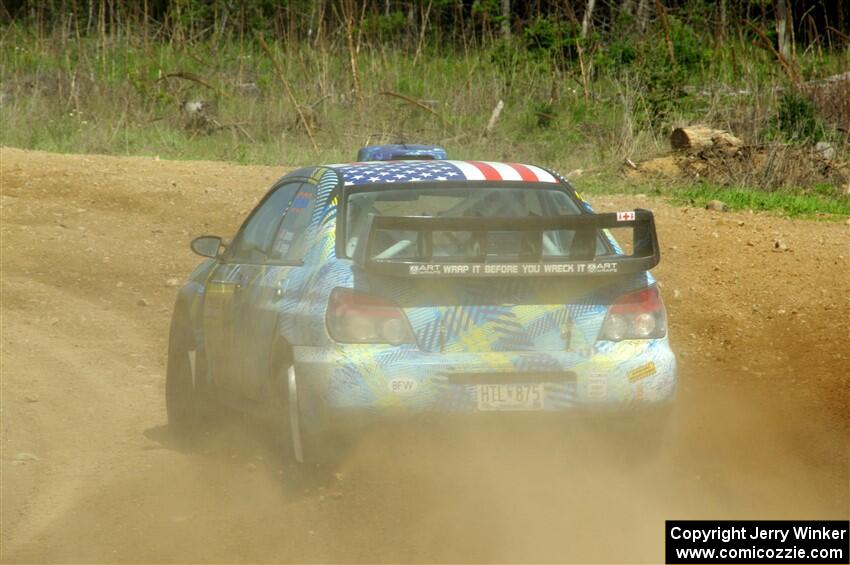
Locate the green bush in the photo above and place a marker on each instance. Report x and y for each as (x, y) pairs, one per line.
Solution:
(795, 120)
(545, 39)
(688, 48)
(662, 82)
(506, 56)
(617, 56)
(385, 27)
(542, 115)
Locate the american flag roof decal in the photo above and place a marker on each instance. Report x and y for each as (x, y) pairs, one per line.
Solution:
(382, 172)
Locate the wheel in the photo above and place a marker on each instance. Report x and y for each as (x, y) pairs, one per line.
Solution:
(183, 395)
(293, 416)
(306, 445)
(310, 446)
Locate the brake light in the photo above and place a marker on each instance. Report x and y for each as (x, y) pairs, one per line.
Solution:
(356, 317)
(637, 315)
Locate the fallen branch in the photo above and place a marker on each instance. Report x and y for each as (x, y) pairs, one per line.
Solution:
(282, 77)
(832, 79)
(410, 101)
(454, 139)
(218, 126)
(190, 77)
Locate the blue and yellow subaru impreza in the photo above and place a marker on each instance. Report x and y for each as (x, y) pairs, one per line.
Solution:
(420, 287)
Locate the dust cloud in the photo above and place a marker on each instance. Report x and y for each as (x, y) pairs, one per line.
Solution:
(89, 245)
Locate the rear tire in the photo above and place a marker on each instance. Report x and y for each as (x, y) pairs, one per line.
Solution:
(183, 396)
(310, 446)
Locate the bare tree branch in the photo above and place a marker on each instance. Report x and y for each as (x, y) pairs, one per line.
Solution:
(409, 100)
(282, 77)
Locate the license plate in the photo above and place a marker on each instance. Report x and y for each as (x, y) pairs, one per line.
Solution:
(525, 396)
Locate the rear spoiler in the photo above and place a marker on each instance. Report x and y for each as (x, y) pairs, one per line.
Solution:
(581, 261)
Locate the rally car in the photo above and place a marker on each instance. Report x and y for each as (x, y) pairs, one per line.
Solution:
(403, 288)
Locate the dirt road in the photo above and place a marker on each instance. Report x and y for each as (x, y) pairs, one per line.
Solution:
(90, 472)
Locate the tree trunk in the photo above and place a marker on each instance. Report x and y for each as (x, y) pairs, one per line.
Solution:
(782, 28)
(643, 14)
(721, 35)
(662, 15)
(506, 18)
(585, 20)
(700, 137)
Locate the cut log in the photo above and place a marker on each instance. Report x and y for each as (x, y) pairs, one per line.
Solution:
(700, 137)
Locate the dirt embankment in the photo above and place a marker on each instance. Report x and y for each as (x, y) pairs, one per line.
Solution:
(89, 245)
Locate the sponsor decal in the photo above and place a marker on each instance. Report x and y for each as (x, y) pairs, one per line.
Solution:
(540, 269)
(597, 387)
(625, 216)
(642, 372)
(301, 201)
(317, 175)
(284, 242)
(402, 385)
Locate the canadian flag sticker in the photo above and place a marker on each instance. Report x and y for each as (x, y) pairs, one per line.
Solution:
(625, 216)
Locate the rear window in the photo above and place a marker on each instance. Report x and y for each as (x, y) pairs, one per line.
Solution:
(448, 202)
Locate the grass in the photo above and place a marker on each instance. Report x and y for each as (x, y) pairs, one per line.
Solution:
(792, 203)
(816, 203)
(115, 96)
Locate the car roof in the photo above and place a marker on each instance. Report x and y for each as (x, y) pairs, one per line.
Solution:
(387, 172)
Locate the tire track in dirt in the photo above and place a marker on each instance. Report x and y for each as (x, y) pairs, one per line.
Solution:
(71, 389)
(86, 240)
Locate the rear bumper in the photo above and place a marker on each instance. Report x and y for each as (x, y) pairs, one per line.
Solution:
(366, 382)
(638, 424)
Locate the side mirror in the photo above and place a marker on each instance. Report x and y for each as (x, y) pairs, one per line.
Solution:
(206, 245)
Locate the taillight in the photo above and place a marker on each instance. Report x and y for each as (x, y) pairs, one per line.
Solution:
(637, 315)
(356, 317)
